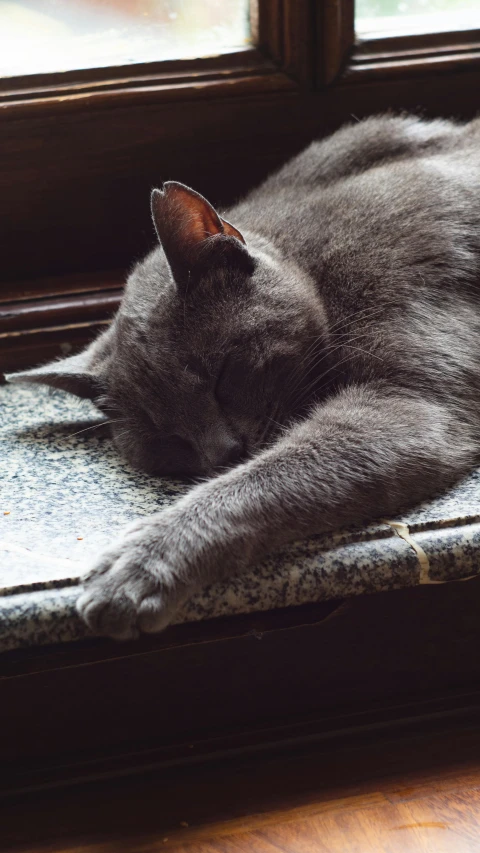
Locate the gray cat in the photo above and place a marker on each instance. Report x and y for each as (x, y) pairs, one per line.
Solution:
(315, 363)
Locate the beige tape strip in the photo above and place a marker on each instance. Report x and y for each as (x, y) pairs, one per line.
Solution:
(401, 529)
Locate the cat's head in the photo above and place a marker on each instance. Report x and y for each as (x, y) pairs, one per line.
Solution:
(211, 351)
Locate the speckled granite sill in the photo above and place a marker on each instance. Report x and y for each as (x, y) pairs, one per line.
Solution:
(67, 494)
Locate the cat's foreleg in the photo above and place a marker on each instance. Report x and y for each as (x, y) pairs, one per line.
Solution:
(363, 453)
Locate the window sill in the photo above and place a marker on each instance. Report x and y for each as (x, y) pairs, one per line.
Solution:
(274, 657)
(69, 493)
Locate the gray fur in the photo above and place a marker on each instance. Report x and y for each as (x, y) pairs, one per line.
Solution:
(316, 367)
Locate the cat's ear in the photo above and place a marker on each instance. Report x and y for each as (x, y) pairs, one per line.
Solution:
(74, 374)
(193, 235)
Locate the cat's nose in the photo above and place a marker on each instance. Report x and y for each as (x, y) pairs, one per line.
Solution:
(229, 453)
(234, 454)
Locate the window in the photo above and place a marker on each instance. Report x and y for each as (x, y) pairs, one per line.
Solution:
(80, 149)
(43, 36)
(374, 18)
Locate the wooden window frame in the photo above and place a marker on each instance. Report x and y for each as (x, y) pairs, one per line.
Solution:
(344, 59)
(81, 150)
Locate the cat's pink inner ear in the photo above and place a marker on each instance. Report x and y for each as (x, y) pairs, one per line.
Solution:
(195, 216)
(186, 216)
(231, 231)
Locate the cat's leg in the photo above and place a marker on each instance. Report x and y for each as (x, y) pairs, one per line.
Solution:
(363, 453)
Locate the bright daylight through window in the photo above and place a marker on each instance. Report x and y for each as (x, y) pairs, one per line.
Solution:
(377, 18)
(42, 36)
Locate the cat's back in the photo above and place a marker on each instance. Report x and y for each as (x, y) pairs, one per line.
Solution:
(374, 142)
(389, 193)
(401, 222)
(353, 151)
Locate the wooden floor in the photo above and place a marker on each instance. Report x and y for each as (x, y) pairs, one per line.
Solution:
(417, 793)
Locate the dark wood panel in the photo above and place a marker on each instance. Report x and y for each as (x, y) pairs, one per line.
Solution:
(74, 191)
(321, 672)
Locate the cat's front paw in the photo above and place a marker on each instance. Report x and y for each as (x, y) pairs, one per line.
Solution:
(131, 588)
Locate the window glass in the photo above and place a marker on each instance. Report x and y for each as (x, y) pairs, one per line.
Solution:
(408, 17)
(38, 36)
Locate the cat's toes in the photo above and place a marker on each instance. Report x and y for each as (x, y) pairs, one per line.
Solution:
(108, 615)
(122, 598)
(154, 613)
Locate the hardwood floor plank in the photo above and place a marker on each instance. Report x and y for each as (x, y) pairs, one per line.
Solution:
(436, 824)
(406, 796)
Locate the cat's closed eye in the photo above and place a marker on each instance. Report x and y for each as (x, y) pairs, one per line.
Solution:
(177, 443)
(231, 380)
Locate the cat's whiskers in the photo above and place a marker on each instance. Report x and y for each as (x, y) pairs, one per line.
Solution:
(119, 435)
(366, 351)
(326, 352)
(318, 378)
(314, 386)
(302, 398)
(297, 374)
(276, 423)
(271, 422)
(86, 429)
(362, 313)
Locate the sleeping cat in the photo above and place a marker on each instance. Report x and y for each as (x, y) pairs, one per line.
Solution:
(312, 356)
